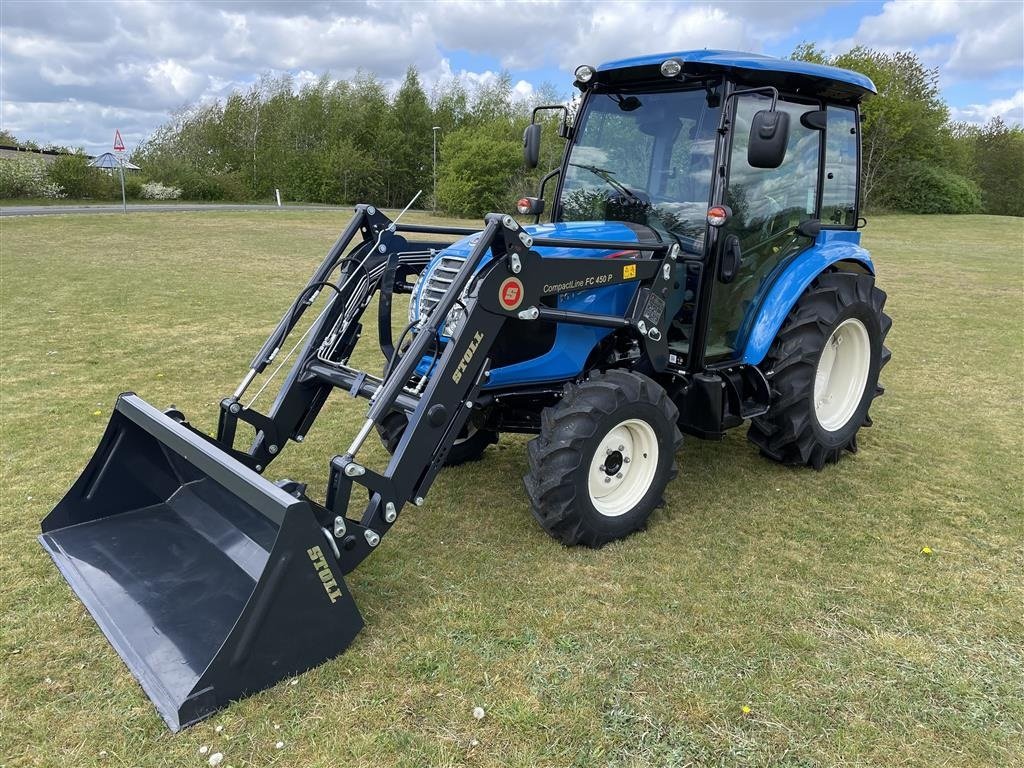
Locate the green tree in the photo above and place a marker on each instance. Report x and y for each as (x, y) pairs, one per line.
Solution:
(902, 125)
(999, 167)
(477, 173)
(408, 142)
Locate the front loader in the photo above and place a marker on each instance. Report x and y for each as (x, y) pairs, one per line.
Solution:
(701, 269)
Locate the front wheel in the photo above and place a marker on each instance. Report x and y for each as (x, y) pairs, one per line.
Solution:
(468, 446)
(602, 459)
(823, 367)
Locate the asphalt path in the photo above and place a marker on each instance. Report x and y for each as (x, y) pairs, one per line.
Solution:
(54, 210)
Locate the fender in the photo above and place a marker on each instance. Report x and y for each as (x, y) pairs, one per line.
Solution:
(831, 247)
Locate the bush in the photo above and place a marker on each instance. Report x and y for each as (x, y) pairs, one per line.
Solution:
(26, 176)
(154, 190)
(81, 181)
(196, 185)
(132, 186)
(925, 188)
(477, 174)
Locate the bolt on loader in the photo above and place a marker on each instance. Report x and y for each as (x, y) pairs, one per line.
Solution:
(701, 268)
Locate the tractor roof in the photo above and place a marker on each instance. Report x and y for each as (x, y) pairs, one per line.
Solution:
(800, 76)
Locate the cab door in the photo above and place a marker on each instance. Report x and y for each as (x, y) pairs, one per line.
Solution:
(767, 205)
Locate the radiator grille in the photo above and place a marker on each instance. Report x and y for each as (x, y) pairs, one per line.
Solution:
(440, 277)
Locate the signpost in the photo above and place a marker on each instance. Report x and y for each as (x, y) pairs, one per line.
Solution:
(119, 151)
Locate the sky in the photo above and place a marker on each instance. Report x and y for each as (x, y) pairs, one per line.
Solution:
(73, 72)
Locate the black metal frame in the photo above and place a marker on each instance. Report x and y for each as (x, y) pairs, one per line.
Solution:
(443, 402)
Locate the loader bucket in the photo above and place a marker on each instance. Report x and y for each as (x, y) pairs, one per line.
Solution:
(210, 582)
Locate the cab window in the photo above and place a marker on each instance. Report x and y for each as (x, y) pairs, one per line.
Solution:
(839, 189)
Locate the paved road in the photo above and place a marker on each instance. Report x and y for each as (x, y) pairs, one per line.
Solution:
(51, 210)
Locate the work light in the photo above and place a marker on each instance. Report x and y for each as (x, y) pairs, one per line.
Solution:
(671, 67)
(584, 73)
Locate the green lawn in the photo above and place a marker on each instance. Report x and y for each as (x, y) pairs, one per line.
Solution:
(804, 597)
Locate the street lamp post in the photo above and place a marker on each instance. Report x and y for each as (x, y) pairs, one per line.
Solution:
(434, 131)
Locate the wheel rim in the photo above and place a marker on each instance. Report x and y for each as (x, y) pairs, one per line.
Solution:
(841, 374)
(623, 467)
(471, 430)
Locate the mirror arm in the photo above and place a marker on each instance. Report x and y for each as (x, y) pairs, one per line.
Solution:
(544, 182)
(768, 89)
(560, 107)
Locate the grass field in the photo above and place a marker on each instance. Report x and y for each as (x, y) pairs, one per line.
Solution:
(768, 616)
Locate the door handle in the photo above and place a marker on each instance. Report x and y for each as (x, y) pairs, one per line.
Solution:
(730, 261)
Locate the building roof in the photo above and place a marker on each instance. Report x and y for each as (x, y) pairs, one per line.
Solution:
(109, 160)
(803, 75)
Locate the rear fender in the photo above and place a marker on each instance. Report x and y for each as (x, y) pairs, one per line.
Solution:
(832, 247)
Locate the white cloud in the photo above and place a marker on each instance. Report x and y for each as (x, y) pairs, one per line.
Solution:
(1011, 110)
(134, 61)
(62, 75)
(964, 40)
(170, 81)
(523, 90)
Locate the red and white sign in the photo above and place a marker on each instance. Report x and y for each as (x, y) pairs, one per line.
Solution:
(510, 294)
(118, 141)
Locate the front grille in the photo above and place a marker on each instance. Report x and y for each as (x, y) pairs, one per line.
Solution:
(440, 277)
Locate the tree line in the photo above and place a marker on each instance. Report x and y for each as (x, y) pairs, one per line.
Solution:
(346, 141)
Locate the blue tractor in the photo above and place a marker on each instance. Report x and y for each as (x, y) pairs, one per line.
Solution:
(700, 268)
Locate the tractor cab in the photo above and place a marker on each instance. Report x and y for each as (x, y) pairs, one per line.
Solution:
(740, 159)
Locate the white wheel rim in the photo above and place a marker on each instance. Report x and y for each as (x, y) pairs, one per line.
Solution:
(623, 467)
(841, 374)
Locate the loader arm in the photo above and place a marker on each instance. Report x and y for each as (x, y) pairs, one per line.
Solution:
(213, 583)
(508, 287)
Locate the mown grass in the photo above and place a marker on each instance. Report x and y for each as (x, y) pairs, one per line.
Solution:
(802, 596)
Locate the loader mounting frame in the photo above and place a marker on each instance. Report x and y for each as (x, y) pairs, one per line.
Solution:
(440, 403)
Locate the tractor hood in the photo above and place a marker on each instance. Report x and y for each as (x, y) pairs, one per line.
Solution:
(621, 231)
(446, 262)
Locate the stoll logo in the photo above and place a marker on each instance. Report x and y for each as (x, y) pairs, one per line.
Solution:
(510, 294)
(324, 572)
(464, 362)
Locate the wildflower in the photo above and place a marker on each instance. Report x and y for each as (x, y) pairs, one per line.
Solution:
(745, 709)
(478, 713)
(926, 550)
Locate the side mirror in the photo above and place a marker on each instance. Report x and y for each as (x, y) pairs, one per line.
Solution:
(769, 135)
(530, 206)
(531, 145)
(809, 228)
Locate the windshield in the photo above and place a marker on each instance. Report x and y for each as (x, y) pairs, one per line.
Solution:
(645, 158)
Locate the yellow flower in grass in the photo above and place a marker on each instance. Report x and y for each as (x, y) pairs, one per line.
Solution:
(745, 709)
(926, 550)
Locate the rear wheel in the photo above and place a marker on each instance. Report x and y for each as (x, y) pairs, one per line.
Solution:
(823, 367)
(603, 457)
